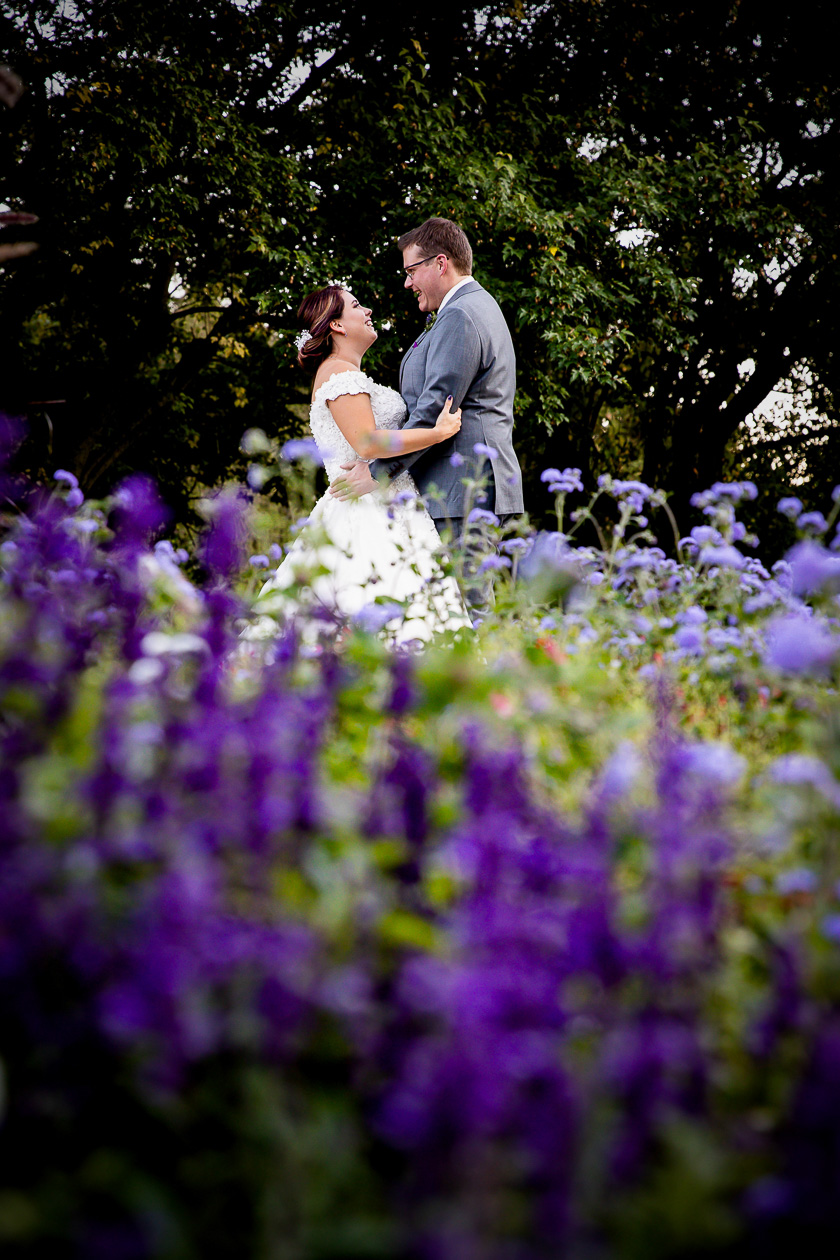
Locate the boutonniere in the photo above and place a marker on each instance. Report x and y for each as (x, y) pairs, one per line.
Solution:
(430, 319)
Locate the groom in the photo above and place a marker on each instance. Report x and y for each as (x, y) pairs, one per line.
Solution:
(468, 353)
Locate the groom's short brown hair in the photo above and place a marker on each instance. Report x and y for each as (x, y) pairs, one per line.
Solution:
(440, 236)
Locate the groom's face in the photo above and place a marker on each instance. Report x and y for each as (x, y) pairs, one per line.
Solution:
(426, 280)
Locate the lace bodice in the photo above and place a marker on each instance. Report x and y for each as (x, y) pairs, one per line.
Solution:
(388, 413)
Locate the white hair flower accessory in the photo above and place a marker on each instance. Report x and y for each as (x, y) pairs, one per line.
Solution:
(302, 338)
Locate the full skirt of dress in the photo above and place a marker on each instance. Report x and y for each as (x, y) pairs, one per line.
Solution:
(369, 562)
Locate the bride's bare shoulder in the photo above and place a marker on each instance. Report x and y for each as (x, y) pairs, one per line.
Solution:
(333, 368)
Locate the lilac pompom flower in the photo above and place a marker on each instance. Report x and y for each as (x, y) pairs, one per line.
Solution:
(813, 522)
(789, 507)
(481, 516)
(564, 482)
(494, 562)
(724, 557)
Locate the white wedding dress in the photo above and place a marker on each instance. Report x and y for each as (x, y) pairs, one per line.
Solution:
(357, 560)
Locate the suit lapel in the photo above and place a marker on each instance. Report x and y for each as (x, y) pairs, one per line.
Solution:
(410, 351)
(468, 288)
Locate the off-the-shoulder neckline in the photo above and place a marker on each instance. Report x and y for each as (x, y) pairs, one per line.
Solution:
(335, 375)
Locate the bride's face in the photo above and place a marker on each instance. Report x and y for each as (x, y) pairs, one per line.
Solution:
(355, 320)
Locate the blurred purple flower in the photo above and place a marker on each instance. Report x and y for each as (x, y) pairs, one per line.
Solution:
(223, 546)
(804, 770)
(800, 879)
(789, 507)
(797, 644)
(302, 448)
(373, 618)
(814, 522)
(694, 615)
(801, 768)
(493, 563)
(548, 551)
(620, 772)
(713, 762)
(480, 516)
(725, 557)
(138, 511)
(813, 569)
(830, 928)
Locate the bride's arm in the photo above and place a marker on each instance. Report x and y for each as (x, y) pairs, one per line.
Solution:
(354, 416)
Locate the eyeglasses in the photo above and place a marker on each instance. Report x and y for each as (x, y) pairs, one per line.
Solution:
(412, 267)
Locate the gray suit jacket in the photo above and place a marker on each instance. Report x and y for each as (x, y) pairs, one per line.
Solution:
(467, 353)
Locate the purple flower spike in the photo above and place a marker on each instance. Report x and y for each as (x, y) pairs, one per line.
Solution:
(61, 474)
(138, 511)
(224, 542)
(488, 451)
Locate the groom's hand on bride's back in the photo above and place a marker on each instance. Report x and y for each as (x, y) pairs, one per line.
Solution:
(357, 481)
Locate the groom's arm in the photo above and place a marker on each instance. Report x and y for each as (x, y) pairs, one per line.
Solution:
(452, 363)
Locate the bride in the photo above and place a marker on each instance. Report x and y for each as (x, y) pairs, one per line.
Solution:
(373, 560)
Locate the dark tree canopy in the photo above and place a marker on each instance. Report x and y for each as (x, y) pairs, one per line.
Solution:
(649, 194)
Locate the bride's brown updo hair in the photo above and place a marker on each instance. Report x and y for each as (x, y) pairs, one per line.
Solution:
(316, 312)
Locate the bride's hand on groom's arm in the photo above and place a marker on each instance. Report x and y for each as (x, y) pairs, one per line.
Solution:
(356, 482)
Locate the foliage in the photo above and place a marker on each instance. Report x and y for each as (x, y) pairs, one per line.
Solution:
(646, 192)
(522, 944)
